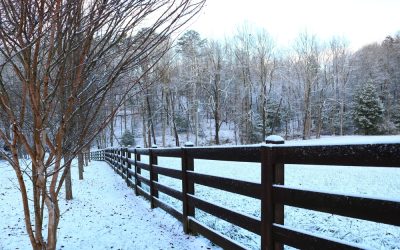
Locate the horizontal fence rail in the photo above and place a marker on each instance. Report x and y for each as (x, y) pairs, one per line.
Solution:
(272, 192)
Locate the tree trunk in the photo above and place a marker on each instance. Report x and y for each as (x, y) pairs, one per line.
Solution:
(196, 121)
(319, 121)
(341, 117)
(132, 119)
(307, 112)
(163, 118)
(216, 128)
(80, 165)
(112, 132)
(125, 115)
(53, 220)
(112, 122)
(188, 123)
(144, 131)
(68, 179)
(150, 121)
(86, 157)
(174, 122)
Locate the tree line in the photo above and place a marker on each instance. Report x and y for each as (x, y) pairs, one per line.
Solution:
(249, 86)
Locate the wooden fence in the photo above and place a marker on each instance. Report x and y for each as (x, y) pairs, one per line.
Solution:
(272, 191)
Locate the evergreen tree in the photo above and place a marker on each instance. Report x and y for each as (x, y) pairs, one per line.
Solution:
(396, 117)
(128, 139)
(368, 111)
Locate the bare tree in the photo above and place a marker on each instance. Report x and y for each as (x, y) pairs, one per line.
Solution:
(265, 69)
(74, 48)
(243, 45)
(190, 46)
(340, 71)
(308, 62)
(214, 88)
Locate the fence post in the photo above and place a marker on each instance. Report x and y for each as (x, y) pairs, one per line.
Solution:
(137, 171)
(112, 158)
(123, 170)
(128, 167)
(120, 169)
(271, 173)
(115, 160)
(153, 177)
(118, 160)
(187, 188)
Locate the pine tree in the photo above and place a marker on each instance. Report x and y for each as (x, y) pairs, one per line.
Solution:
(128, 139)
(396, 116)
(368, 111)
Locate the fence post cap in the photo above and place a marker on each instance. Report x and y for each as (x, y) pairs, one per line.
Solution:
(189, 144)
(274, 139)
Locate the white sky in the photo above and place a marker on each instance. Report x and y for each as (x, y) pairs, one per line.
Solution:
(359, 21)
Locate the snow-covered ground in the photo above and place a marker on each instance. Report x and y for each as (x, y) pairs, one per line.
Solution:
(376, 182)
(104, 214)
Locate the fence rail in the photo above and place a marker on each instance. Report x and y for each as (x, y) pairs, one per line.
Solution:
(272, 192)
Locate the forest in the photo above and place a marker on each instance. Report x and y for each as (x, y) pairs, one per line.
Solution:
(242, 89)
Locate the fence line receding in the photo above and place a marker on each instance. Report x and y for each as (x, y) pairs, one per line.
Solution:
(272, 192)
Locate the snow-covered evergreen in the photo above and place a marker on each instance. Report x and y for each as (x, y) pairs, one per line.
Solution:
(368, 110)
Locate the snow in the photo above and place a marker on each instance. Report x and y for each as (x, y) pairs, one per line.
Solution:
(274, 139)
(357, 181)
(345, 140)
(104, 214)
(107, 213)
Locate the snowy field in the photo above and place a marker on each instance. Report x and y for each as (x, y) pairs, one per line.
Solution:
(376, 182)
(104, 214)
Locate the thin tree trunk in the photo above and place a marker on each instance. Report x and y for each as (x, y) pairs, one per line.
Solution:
(307, 113)
(217, 126)
(112, 132)
(144, 131)
(88, 154)
(173, 121)
(68, 179)
(196, 120)
(125, 115)
(112, 121)
(150, 121)
(188, 123)
(80, 165)
(341, 117)
(163, 118)
(132, 119)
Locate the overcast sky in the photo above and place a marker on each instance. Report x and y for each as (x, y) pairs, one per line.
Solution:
(359, 21)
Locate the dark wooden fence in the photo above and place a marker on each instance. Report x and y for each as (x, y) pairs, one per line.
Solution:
(271, 191)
